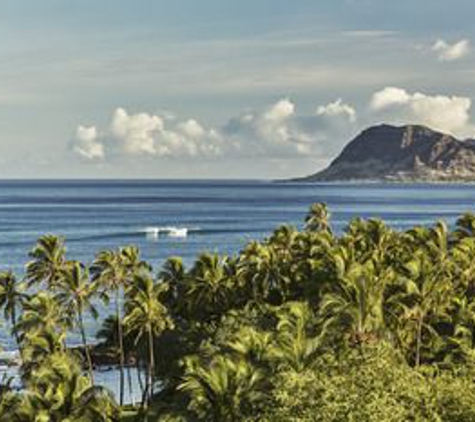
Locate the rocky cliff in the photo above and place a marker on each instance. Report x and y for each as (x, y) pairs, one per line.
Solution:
(404, 153)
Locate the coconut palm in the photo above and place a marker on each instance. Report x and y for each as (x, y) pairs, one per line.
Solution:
(174, 274)
(251, 345)
(318, 218)
(465, 226)
(75, 294)
(43, 312)
(425, 299)
(113, 271)
(210, 286)
(353, 303)
(225, 390)
(147, 317)
(264, 273)
(57, 391)
(42, 328)
(294, 346)
(12, 297)
(47, 261)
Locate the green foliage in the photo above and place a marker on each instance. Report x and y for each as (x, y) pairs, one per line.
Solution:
(57, 391)
(370, 386)
(372, 324)
(224, 390)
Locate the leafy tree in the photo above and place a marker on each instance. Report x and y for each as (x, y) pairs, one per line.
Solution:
(57, 391)
(113, 271)
(47, 260)
(226, 390)
(75, 295)
(147, 317)
(12, 297)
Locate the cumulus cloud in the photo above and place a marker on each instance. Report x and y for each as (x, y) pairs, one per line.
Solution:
(144, 134)
(136, 132)
(389, 96)
(450, 52)
(87, 144)
(446, 113)
(337, 108)
(275, 131)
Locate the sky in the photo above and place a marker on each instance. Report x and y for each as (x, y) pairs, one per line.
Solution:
(262, 89)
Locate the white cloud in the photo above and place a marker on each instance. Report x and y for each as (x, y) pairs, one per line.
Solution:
(87, 144)
(280, 111)
(389, 96)
(271, 132)
(276, 131)
(450, 52)
(337, 108)
(446, 113)
(161, 136)
(136, 132)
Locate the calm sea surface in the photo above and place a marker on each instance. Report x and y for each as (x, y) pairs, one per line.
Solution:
(218, 215)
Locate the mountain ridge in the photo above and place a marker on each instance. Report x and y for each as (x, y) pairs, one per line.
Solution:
(401, 153)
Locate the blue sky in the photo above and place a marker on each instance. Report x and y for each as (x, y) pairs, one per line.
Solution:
(188, 89)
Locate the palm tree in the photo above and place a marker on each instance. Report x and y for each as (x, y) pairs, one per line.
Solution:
(48, 258)
(12, 297)
(353, 303)
(42, 328)
(264, 273)
(427, 294)
(43, 312)
(318, 218)
(224, 390)
(251, 345)
(57, 391)
(75, 295)
(209, 286)
(147, 317)
(174, 274)
(465, 226)
(113, 271)
(294, 346)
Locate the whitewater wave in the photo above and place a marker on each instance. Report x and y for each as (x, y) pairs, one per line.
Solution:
(170, 231)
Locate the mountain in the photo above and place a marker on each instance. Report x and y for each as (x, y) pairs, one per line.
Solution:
(402, 153)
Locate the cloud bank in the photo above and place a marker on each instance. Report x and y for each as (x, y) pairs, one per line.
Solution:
(445, 113)
(276, 131)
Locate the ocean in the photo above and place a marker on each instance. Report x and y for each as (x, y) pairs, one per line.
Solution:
(183, 218)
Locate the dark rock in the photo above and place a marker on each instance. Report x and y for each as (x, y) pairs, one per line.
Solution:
(405, 153)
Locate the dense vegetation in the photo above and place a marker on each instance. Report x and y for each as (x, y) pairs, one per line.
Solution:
(373, 324)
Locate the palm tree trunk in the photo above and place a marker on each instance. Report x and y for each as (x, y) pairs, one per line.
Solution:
(148, 393)
(87, 352)
(15, 333)
(120, 335)
(419, 340)
(151, 363)
(129, 382)
(139, 376)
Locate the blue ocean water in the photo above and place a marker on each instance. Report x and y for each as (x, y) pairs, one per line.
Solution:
(219, 215)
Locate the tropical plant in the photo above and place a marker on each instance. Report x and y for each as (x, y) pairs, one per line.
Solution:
(113, 271)
(47, 260)
(148, 318)
(57, 391)
(75, 294)
(12, 297)
(225, 390)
